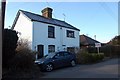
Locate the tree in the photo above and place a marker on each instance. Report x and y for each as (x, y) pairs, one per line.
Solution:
(9, 45)
(116, 40)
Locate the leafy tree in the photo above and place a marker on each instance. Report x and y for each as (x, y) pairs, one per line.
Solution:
(9, 45)
(115, 40)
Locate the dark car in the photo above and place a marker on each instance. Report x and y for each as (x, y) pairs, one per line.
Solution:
(56, 60)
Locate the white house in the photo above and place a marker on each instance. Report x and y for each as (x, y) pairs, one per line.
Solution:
(45, 33)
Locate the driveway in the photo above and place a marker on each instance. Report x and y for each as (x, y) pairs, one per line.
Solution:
(106, 69)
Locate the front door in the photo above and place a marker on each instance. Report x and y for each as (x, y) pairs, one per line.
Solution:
(40, 49)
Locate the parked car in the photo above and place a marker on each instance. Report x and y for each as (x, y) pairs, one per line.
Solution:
(56, 60)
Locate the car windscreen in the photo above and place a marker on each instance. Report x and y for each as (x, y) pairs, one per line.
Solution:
(50, 55)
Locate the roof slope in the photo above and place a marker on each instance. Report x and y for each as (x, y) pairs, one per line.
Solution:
(39, 18)
(85, 40)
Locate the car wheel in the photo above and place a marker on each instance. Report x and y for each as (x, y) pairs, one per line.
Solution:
(73, 63)
(49, 67)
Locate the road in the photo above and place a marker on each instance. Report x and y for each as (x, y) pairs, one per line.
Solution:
(105, 69)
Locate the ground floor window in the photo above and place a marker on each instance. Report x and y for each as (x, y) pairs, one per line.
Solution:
(51, 48)
(71, 49)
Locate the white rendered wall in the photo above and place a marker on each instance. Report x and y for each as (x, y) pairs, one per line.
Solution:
(24, 26)
(70, 42)
(40, 36)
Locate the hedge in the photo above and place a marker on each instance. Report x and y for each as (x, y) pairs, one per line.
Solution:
(85, 58)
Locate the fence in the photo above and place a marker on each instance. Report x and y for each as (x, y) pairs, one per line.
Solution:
(108, 50)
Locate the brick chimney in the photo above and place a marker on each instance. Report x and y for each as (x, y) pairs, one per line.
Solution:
(47, 12)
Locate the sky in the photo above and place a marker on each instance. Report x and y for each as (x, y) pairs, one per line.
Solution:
(92, 18)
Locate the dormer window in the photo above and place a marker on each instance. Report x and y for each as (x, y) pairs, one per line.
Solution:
(70, 34)
(51, 32)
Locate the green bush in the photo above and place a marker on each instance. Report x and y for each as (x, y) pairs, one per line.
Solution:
(97, 57)
(101, 56)
(84, 57)
(94, 57)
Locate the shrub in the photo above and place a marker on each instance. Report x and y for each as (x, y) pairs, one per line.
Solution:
(94, 57)
(9, 45)
(92, 49)
(101, 56)
(85, 57)
(97, 57)
(22, 64)
(24, 58)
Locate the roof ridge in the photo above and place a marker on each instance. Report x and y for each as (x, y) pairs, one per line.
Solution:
(67, 25)
(43, 16)
(34, 13)
(90, 38)
(40, 15)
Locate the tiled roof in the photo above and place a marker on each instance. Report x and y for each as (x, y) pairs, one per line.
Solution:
(39, 18)
(85, 40)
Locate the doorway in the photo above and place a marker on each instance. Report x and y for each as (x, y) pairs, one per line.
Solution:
(40, 49)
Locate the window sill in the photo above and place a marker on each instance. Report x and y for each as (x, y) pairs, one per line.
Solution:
(70, 37)
(52, 37)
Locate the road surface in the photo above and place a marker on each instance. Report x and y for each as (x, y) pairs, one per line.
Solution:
(105, 69)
